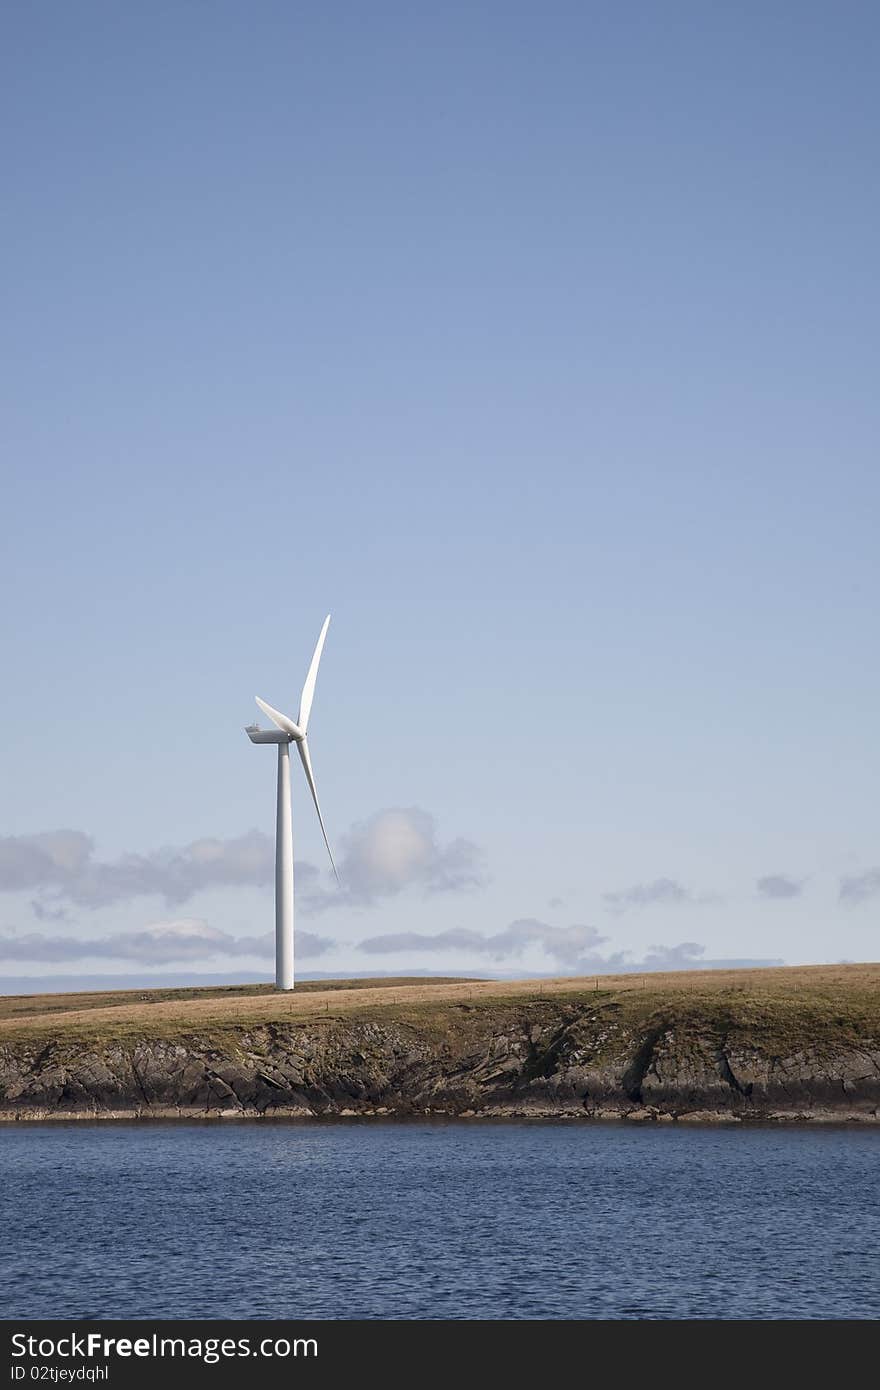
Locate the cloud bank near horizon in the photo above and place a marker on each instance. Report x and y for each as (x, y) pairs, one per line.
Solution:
(161, 943)
(567, 945)
(573, 950)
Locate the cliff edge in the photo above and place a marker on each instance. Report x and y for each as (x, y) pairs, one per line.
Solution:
(799, 1044)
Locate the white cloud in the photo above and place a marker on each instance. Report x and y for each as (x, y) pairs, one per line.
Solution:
(780, 886)
(51, 857)
(860, 887)
(61, 866)
(393, 850)
(397, 849)
(660, 890)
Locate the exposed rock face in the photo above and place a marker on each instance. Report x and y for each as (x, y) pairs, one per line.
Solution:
(541, 1058)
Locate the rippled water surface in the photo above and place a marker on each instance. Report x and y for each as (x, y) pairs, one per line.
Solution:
(479, 1220)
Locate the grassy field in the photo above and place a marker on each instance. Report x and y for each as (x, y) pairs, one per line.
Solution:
(27, 1005)
(832, 997)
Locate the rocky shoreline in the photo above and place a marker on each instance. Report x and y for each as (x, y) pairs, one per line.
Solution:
(535, 1058)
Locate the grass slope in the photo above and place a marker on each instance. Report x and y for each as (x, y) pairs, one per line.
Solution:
(787, 1008)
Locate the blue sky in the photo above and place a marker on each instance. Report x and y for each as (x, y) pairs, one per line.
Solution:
(537, 343)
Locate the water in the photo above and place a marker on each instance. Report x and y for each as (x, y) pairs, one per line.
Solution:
(438, 1220)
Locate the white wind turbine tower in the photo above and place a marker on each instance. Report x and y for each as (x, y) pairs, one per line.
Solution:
(284, 734)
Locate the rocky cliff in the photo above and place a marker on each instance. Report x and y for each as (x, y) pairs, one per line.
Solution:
(651, 1055)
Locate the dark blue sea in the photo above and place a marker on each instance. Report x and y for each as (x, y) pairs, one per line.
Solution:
(438, 1220)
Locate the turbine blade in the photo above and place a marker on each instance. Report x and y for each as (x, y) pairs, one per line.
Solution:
(280, 720)
(310, 778)
(308, 695)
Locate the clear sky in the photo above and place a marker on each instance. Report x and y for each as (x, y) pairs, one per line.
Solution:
(538, 343)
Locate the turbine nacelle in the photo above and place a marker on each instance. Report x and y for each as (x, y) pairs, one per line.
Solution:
(258, 735)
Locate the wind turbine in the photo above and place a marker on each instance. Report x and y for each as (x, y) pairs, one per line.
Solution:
(284, 734)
